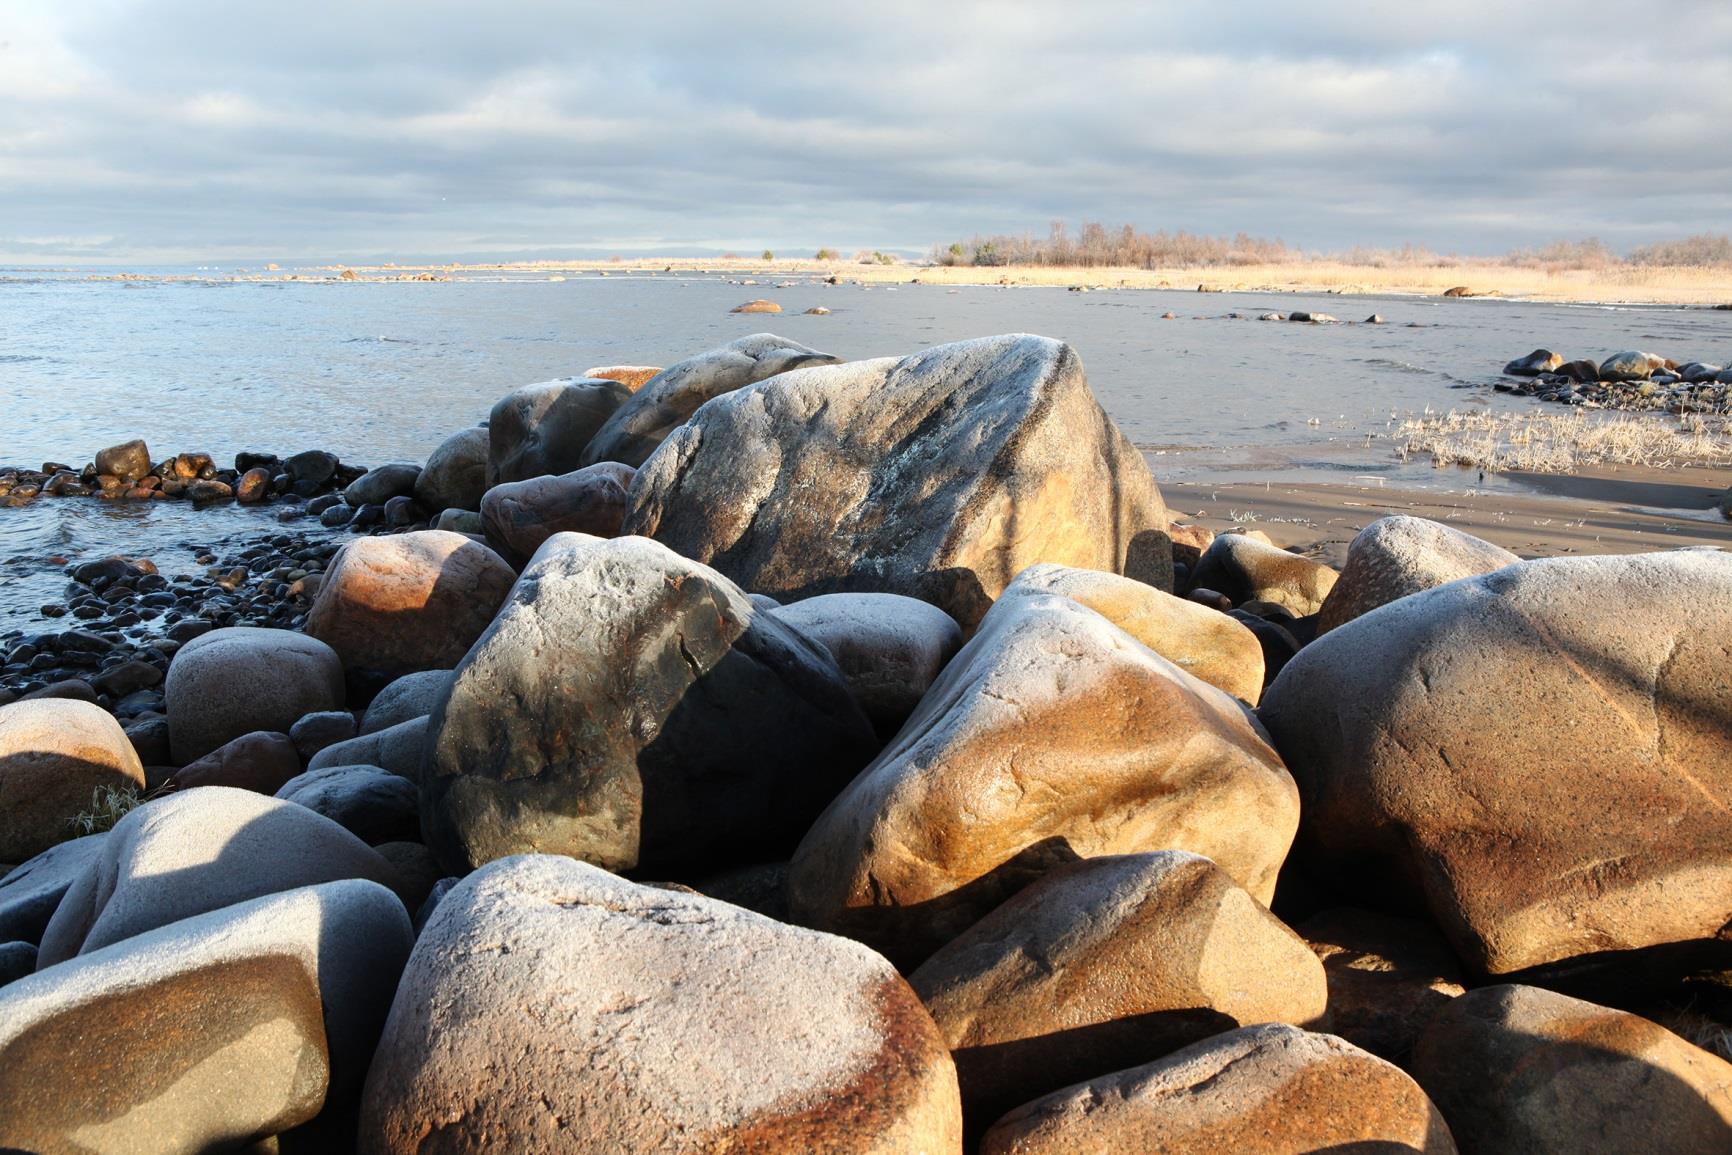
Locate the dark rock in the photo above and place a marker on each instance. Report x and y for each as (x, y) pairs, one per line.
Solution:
(127, 461)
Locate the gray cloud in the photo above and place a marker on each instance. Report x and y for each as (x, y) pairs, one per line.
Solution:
(201, 129)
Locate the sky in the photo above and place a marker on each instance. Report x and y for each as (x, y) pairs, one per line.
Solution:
(227, 130)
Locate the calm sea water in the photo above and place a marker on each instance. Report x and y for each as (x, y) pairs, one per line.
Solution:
(380, 372)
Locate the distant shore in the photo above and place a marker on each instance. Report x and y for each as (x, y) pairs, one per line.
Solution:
(1616, 285)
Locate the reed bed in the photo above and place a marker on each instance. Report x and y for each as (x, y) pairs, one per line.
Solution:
(1565, 442)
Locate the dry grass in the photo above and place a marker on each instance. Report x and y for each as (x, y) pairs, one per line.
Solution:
(1563, 443)
(108, 805)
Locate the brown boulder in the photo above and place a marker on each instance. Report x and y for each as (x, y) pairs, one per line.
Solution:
(553, 1006)
(1052, 736)
(1516, 1068)
(55, 755)
(1201, 641)
(519, 515)
(941, 476)
(633, 377)
(1396, 556)
(260, 762)
(1574, 708)
(1264, 1090)
(758, 306)
(1104, 964)
(411, 601)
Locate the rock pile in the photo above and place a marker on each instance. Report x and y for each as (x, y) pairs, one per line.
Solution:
(910, 781)
(1629, 380)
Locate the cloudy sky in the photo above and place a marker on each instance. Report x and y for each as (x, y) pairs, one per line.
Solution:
(219, 130)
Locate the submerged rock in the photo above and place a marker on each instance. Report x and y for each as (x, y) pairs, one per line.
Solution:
(674, 394)
(940, 476)
(642, 1019)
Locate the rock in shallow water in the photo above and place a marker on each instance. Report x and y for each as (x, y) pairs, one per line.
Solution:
(1052, 736)
(940, 476)
(1572, 707)
(647, 1020)
(631, 708)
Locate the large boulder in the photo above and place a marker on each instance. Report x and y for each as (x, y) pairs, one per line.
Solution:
(890, 648)
(1052, 736)
(374, 805)
(541, 429)
(568, 1009)
(233, 681)
(411, 696)
(1574, 708)
(1630, 365)
(1250, 569)
(1517, 1068)
(30, 891)
(455, 475)
(1200, 641)
(207, 1034)
(189, 853)
(1104, 964)
(670, 397)
(395, 605)
(1400, 555)
(1262, 1090)
(519, 515)
(941, 476)
(56, 755)
(633, 709)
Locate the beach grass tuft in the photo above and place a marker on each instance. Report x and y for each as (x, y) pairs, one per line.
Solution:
(1563, 443)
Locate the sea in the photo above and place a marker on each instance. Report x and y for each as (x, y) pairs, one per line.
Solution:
(383, 370)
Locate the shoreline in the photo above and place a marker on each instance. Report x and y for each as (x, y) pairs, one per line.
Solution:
(1702, 288)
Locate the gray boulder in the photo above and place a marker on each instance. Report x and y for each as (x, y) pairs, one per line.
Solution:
(31, 891)
(1535, 363)
(455, 475)
(188, 853)
(642, 1019)
(668, 399)
(518, 516)
(940, 476)
(631, 708)
(411, 696)
(381, 483)
(1630, 365)
(890, 648)
(542, 429)
(400, 749)
(208, 1034)
(1396, 556)
(374, 805)
(240, 679)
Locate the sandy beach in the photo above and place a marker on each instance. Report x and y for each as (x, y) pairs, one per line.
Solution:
(1597, 510)
(1613, 285)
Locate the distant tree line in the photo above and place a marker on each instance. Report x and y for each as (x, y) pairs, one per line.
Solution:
(1095, 245)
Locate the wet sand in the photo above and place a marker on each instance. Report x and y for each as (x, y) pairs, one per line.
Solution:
(1623, 510)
